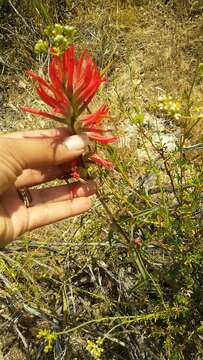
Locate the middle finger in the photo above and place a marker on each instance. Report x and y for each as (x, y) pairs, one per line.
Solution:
(62, 193)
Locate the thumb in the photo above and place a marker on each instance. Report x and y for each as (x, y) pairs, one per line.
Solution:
(19, 154)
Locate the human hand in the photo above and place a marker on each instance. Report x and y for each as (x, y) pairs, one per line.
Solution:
(32, 158)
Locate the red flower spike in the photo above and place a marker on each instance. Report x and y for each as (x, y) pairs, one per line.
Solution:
(72, 85)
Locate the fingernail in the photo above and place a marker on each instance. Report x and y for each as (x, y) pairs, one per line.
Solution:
(76, 142)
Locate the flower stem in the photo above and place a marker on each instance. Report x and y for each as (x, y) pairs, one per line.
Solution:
(138, 259)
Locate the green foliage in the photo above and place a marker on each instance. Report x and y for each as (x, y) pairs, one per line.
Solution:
(2, 3)
(138, 118)
(201, 69)
(42, 9)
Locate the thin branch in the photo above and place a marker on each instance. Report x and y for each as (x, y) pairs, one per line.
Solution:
(16, 11)
(193, 147)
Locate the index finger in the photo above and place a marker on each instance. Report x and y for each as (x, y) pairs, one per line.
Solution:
(24, 153)
(39, 133)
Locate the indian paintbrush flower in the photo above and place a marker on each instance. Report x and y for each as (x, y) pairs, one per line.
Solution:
(72, 85)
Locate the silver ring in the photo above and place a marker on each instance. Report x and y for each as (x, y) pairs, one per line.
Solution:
(25, 196)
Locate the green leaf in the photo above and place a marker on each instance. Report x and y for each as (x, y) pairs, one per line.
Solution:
(138, 118)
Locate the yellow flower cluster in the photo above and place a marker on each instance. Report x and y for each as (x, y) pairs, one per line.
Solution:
(169, 106)
(48, 336)
(95, 348)
(60, 37)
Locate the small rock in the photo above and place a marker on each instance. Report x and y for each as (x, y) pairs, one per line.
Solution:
(22, 85)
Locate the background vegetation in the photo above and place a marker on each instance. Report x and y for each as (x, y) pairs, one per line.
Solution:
(123, 281)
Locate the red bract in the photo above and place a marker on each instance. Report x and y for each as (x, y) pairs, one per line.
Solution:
(98, 160)
(74, 169)
(72, 85)
(96, 117)
(90, 124)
